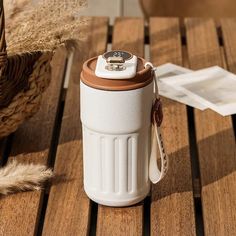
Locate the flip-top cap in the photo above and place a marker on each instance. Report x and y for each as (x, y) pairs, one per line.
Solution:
(116, 74)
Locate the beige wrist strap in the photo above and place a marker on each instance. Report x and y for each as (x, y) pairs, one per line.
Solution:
(156, 173)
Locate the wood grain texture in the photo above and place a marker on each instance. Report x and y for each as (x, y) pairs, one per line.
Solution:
(128, 35)
(68, 210)
(215, 137)
(31, 143)
(172, 206)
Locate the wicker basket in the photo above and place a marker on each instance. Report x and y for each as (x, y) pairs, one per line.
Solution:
(23, 79)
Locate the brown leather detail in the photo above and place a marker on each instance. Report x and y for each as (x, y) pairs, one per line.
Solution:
(157, 114)
(143, 77)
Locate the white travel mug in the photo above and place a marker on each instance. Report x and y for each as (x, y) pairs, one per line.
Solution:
(121, 115)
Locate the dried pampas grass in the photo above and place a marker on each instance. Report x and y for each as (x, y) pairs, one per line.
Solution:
(17, 177)
(43, 24)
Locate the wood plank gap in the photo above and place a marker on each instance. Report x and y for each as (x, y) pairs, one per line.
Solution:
(197, 188)
(199, 217)
(183, 34)
(42, 215)
(146, 216)
(234, 124)
(220, 37)
(5, 149)
(183, 40)
(193, 148)
(146, 34)
(93, 218)
(110, 33)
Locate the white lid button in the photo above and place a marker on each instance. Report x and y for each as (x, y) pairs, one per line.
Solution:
(116, 65)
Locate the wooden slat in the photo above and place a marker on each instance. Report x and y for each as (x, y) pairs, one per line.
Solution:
(228, 27)
(202, 43)
(68, 211)
(172, 206)
(128, 35)
(31, 143)
(215, 138)
(229, 37)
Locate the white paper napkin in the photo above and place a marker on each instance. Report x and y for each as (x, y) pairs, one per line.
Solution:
(213, 87)
(166, 71)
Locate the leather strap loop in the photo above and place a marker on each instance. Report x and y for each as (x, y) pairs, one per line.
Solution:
(156, 173)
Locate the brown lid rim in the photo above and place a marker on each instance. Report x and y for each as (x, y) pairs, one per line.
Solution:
(143, 77)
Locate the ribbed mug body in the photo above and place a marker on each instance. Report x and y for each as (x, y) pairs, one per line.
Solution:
(116, 144)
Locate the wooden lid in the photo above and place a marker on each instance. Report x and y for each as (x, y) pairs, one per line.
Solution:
(142, 78)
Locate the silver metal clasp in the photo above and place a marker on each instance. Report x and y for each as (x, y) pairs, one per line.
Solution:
(115, 64)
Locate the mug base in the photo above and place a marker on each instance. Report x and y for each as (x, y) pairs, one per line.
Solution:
(116, 202)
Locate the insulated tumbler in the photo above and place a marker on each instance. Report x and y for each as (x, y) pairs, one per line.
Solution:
(119, 111)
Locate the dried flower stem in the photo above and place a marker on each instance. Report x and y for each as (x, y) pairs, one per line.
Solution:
(16, 177)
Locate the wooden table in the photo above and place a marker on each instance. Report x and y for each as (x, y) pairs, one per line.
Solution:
(199, 193)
